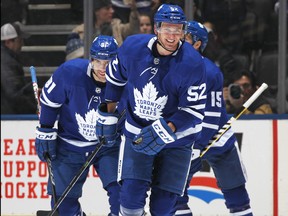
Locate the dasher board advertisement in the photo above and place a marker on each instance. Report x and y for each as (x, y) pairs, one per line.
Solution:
(263, 144)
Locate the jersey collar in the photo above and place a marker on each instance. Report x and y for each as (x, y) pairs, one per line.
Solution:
(154, 39)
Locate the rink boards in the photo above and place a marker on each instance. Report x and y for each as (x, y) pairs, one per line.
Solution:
(263, 143)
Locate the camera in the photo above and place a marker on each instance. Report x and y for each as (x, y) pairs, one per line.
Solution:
(235, 91)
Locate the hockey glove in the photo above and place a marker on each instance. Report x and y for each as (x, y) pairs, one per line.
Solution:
(106, 126)
(153, 138)
(46, 139)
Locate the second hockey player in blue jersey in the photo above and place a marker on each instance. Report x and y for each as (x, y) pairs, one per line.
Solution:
(224, 156)
(165, 81)
(73, 93)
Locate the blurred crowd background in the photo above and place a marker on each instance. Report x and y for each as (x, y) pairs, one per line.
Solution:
(243, 39)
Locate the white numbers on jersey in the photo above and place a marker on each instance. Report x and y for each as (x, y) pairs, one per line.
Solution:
(193, 92)
(216, 98)
(50, 85)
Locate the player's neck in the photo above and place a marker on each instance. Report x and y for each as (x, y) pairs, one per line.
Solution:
(98, 81)
(155, 50)
(162, 50)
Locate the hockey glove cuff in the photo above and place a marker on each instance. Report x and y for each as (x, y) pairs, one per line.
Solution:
(153, 138)
(46, 139)
(106, 126)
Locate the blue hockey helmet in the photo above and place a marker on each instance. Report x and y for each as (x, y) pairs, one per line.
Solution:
(198, 32)
(170, 13)
(103, 47)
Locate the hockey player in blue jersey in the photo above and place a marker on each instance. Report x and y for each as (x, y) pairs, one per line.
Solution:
(164, 111)
(223, 157)
(73, 93)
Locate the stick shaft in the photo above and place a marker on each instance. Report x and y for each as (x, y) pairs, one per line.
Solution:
(51, 177)
(76, 177)
(35, 87)
(47, 156)
(234, 118)
(83, 168)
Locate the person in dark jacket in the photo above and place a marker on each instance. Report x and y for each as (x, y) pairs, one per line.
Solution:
(242, 86)
(17, 95)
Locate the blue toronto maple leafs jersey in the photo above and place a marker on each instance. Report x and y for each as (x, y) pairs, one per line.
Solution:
(215, 111)
(172, 87)
(72, 93)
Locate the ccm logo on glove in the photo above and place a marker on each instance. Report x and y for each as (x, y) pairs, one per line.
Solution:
(46, 140)
(153, 138)
(46, 136)
(162, 132)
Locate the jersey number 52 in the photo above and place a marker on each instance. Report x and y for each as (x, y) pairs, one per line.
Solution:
(197, 92)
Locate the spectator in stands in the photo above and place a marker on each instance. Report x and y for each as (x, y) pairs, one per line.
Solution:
(145, 24)
(17, 95)
(74, 47)
(122, 8)
(243, 85)
(105, 24)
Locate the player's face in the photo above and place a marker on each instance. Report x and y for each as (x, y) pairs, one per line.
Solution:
(99, 67)
(169, 36)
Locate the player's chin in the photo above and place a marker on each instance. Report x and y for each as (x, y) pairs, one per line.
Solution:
(171, 46)
(101, 77)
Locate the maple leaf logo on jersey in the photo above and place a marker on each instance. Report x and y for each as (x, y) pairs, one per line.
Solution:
(148, 106)
(87, 125)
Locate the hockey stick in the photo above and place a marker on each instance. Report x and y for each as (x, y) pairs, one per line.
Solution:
(72, 183)
(80, 172)
(35, 88)
(76, 177)
(234, 118)
(51, 177)
(47, 156)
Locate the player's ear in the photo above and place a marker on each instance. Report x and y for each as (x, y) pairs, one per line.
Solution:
(155, 29)
(197, 45)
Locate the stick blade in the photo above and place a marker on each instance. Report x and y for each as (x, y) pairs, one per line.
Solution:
(45, 213)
